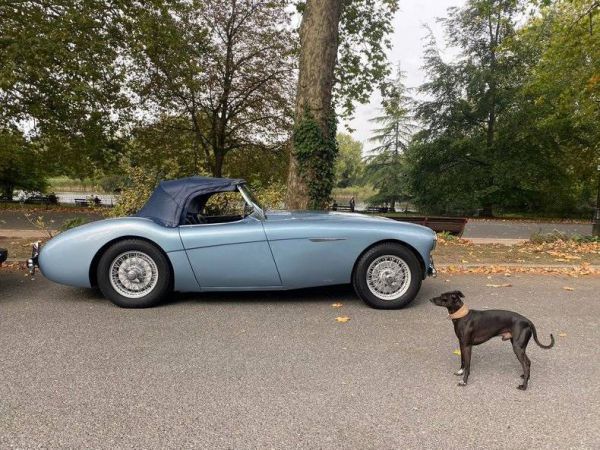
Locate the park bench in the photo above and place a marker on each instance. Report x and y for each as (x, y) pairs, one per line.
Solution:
(341, 208)
(378, 209)
(81, 202)
(452, 225)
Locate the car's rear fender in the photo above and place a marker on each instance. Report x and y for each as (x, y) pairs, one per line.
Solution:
(69, 257)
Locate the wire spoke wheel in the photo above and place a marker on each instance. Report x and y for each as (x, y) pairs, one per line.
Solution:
(388, 277)
(133, 274)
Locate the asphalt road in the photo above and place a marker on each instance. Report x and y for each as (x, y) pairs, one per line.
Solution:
(510, 229)
(277, 371)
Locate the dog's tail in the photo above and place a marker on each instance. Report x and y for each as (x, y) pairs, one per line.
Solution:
(535, 338)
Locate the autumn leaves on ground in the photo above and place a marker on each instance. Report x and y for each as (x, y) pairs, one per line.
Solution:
(568, 257)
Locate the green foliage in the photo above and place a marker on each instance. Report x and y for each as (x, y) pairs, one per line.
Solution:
(270, 195)
(512, 123)
(363, 42)
(74, 222)
(223, 69)
(316, 150)
(386, 166)
(20, 167)
(349, 165)
(61, 77)
(140, 185)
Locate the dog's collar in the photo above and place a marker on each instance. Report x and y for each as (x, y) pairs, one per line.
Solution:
(460, 313)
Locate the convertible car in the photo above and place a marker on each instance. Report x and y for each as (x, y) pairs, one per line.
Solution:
(203, 234)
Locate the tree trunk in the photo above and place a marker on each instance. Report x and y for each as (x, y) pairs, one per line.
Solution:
(218, 167)
(319, 34)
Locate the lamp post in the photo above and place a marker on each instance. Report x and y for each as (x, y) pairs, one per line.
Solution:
(596, 221)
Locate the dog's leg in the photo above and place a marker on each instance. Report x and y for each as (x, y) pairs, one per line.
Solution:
(519, 346)
(462, 365)
(465, 351)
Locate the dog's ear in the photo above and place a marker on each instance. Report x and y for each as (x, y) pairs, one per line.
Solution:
(460, 294)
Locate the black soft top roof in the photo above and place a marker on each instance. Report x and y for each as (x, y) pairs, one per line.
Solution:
(167, 202)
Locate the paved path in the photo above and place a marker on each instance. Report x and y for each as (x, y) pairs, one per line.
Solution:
(508, 229)
(276, 371)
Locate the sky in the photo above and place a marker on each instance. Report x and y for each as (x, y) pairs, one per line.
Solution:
(407, 49)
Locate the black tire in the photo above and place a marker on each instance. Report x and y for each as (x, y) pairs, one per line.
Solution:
(161, 286)
(407, 294)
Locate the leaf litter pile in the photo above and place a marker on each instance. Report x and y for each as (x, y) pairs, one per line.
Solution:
(562, 257)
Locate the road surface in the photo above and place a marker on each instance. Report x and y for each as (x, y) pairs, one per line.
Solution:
(277, 371)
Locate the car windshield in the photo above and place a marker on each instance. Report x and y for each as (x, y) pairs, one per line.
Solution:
(248, 194)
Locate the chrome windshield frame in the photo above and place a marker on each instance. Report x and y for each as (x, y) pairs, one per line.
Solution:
(257, 211)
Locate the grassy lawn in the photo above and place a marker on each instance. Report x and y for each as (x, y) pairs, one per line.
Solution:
(67, 184)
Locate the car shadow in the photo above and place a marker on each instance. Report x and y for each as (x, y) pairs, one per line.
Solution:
(311, 295)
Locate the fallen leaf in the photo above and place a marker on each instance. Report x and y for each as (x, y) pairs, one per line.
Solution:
(568, 288)
(499, 285)
(457, 352)
(342, 319)
(337, 305)
(562, 334)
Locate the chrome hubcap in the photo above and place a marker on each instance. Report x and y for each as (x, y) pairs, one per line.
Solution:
(388, 277)
(133, 274)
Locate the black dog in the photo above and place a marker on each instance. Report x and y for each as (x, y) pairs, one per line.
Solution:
(475, 327)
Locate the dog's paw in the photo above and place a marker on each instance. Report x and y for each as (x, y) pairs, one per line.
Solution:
(462, 383)
(459, 372)
(522, 387)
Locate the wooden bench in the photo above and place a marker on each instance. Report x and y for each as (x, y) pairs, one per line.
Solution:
(378, 209)
(452, 225)
(81, 202)
(341, 208)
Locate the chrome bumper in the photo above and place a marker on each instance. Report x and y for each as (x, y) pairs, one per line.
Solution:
(431, 271)
(32, 263)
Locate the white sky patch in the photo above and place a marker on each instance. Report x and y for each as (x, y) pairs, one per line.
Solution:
(408, 42)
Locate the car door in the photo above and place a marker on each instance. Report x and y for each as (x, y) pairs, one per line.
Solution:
(232, 255)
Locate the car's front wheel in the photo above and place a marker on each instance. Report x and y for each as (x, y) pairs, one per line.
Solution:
(387, 276)
(134, 274)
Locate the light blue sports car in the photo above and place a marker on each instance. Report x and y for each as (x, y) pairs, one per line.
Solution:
(210, 234)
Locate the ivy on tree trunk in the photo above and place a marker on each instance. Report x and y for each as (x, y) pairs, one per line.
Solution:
(311, 163)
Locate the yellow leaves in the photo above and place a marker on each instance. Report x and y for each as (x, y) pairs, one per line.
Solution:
(336, 305)
(499, 285)
(572, 271)
(568, 288)
(456, 352)
(562, 334)
(342, 319)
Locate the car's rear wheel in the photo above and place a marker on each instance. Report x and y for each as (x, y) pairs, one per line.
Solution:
(134, 274)
(387, 276)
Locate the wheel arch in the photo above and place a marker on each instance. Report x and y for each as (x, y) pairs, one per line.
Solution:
(93, 271)
(392, 241)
